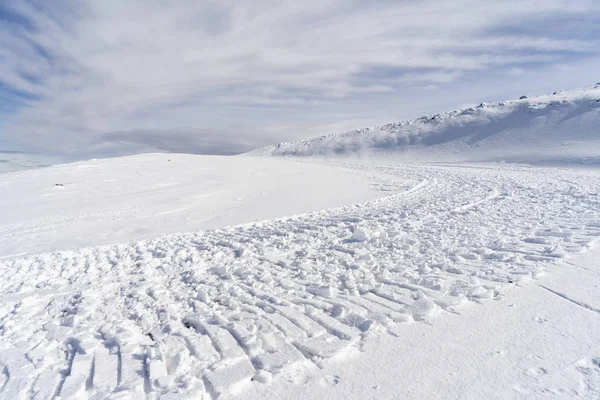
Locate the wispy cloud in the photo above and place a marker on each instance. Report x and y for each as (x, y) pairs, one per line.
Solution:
(103, 74)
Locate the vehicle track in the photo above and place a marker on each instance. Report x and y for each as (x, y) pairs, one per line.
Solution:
(204, 314)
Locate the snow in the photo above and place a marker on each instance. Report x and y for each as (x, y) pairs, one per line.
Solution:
(531, 344)
(139, 197)
(193, 277)
(545, 129)
(448, 280)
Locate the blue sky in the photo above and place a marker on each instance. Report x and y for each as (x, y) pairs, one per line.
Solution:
(94, 78)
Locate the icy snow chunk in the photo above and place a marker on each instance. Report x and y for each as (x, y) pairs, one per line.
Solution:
(203, 296)
(177, 356)
(323, 291)
(358, 235)
(285, 325)
(106, 365)
(223, 272)
(41, 351)
(73, 387)
(82, 364)
(240, 251)
(309, 326)
(482, 293)
(157, 371)
(557, 251)
(336, 327)
(284, 357)
(423, 308)
(88, 344)
(366, 325)
(202, 348)
(132, 371)
(339, 311)
(70, 320)
(17, 374)
(403, 318)
(231, 379)
(229, 348)
(263, 377)
(46, 384)
(537, 240)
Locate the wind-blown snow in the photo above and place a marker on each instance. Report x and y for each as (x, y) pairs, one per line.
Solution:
(563, 125)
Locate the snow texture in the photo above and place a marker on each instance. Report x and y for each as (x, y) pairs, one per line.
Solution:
(366, 291)
(215, 313)
(532, 344)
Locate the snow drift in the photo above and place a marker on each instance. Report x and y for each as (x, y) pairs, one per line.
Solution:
(562, 124)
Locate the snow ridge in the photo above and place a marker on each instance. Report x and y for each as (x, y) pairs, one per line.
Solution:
(544, 120)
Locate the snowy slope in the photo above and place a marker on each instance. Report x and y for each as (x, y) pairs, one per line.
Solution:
(564, 125)
(533, 344)
(139, 197)
(218, 314)
(444, 280)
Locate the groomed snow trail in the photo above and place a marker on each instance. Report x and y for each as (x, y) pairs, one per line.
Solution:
(202, 315)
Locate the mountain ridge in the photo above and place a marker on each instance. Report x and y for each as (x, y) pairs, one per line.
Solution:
(559, 119)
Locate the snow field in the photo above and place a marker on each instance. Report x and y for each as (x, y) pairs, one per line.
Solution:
(102, 202)
(207, 314)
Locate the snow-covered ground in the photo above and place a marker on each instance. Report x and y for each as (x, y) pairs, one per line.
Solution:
(139, 197)
(539, 342)
(442, 281)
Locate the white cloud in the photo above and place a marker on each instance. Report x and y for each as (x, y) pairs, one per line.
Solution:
(249, 67)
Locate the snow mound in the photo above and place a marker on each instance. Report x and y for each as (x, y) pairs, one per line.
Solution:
(562, 124)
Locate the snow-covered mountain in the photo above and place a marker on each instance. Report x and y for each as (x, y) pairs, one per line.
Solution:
(348, 279)
(562, 123)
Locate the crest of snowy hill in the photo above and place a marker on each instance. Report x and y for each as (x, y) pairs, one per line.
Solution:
(565, 124)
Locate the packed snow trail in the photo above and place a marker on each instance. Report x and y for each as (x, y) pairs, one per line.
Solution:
(203, 315)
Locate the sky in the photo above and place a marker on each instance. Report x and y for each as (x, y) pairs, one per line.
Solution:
(88, 78)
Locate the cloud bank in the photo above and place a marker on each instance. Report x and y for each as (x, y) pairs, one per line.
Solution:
(126, 75)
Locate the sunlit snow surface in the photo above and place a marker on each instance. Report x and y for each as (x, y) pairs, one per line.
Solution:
(348, 278)
(140, 197)
(218, 312)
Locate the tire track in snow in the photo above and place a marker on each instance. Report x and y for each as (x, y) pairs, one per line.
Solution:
(303, 288)
(568, 298)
